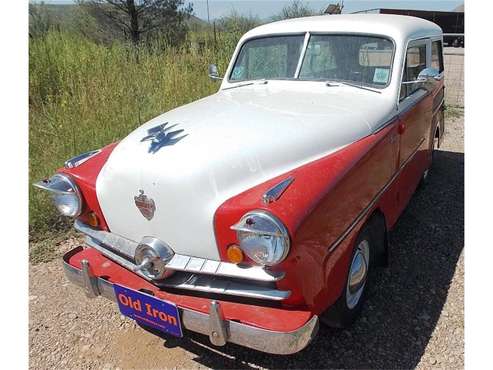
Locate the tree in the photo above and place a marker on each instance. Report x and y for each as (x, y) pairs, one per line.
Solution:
(144, 19)
(295, 10)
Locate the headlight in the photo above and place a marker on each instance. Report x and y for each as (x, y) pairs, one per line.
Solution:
(66, 195)
(262, 237)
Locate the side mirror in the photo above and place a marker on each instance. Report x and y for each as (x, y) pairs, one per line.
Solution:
(213, 72)
(427, 75)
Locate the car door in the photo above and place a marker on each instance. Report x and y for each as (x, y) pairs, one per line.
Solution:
(414, 112)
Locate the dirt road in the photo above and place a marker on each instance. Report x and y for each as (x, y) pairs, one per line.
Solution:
(413, 317)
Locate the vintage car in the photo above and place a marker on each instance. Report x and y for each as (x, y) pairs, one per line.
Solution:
(253, 213)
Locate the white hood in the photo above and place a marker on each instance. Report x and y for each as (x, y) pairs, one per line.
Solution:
(235, 140)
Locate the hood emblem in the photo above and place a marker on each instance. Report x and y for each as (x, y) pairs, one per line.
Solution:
(162, 135)
(145, 205)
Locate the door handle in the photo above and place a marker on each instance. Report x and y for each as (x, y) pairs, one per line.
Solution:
(401, 128)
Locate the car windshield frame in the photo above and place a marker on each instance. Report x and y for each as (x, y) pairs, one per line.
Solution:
(308, 35)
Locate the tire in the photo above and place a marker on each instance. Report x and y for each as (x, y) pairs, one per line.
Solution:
(436, 138)
(347, 308)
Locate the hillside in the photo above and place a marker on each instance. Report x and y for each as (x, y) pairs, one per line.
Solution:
(64, 14)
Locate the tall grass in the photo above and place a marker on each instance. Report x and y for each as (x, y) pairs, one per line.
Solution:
(83, 95)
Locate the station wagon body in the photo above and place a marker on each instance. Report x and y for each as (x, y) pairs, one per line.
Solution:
(254, 213)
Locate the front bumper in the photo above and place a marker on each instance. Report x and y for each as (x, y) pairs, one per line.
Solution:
(96, 274)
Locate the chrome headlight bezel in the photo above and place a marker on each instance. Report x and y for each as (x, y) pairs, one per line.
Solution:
(61, 185)
(269, 231)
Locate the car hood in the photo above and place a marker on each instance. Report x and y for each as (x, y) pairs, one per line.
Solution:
(231, 141)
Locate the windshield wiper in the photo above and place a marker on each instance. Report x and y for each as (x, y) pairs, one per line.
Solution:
(256, 82)
(335, 82)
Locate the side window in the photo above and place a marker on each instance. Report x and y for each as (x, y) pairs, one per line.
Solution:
(437, 55)
(415, 63)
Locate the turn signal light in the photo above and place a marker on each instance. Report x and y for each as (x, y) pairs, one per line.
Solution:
(92, 219)
(234, 253)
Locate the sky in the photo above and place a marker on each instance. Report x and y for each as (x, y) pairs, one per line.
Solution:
(267, 8)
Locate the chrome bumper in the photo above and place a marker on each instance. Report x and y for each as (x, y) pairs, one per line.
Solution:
(219, 330)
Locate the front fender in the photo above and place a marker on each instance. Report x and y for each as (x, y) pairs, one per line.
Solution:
(318, 206)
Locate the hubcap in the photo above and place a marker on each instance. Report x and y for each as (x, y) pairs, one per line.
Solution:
(358, 272)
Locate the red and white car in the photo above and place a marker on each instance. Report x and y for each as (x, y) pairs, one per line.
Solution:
(253, 213)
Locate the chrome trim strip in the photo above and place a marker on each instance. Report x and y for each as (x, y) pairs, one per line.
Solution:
(385, 124)
(274, 342)
(105, 242)
(207, 284)
(218, 268)
(275, 192)
(106, 239)
(370, 205)
(80, 159)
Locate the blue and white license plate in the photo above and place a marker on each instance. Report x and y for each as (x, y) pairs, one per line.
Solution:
(148, 310)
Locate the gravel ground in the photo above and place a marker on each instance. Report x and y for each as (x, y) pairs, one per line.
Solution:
(414, 316)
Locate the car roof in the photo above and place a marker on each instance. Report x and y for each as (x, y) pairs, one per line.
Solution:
(399, 27)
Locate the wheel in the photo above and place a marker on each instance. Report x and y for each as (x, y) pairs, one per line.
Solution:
(347, 307)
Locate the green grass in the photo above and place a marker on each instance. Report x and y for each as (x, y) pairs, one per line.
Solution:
(83, 95)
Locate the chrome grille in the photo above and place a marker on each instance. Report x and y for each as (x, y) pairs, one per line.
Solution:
(193, 273)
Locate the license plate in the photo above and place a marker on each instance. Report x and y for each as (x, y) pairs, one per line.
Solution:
(148, 310)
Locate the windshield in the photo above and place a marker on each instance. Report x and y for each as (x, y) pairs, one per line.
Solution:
(363, 60)
(268, 58)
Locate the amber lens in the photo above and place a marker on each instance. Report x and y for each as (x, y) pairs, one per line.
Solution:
(235, 255)
(92, 219)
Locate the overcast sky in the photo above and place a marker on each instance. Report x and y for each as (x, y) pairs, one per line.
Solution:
(268, 8)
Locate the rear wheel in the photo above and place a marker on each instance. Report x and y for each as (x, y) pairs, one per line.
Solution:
(349, 304)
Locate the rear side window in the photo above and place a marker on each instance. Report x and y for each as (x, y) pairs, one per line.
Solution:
(415, 63)
(437, 55)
